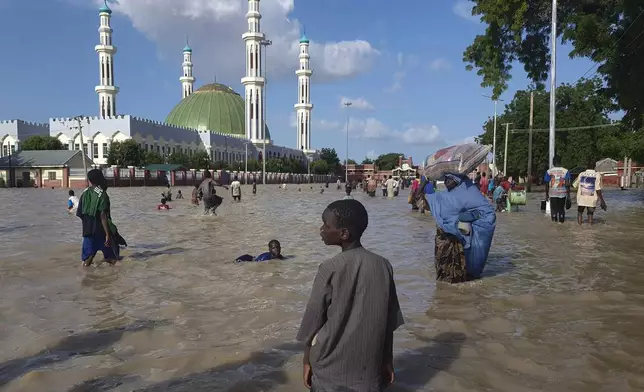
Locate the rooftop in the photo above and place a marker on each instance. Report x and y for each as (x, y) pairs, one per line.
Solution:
(42, 158)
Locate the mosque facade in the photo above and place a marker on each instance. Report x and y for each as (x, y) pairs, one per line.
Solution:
(213, 118)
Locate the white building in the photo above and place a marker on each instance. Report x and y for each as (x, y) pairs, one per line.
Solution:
(228, 130)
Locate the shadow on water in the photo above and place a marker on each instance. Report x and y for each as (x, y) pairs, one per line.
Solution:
(215, 379)
(83, 344)
(498, 266)
(415, 369)
(146, 254)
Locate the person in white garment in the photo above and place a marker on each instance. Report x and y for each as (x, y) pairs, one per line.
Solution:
(72, 202)
(235, 189)
(589, 193)
(389, 185)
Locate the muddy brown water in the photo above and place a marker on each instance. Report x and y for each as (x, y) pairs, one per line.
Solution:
(560, 308)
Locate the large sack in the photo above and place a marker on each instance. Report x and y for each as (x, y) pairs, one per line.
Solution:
(458, 159)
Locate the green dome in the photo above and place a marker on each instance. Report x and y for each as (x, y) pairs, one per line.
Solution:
(104, 8)
(304, 40)
(213, 107)
(187, 49)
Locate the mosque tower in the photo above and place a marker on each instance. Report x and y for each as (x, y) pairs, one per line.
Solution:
(106, 90)
(187, 80)
(254, 81)
(303, 107)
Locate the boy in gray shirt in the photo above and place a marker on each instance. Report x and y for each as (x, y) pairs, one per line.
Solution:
(349, 322)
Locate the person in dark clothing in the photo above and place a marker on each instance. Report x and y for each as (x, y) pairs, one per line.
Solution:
(99, 232)
(349, 346)
(207, 188)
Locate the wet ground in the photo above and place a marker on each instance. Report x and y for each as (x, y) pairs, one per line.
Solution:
(560, 307)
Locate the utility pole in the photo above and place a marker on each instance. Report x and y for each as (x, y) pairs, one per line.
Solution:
(529, 187)
(496, 101)
(553, 83)
(79, 120)
(505, 152)
(346, 160)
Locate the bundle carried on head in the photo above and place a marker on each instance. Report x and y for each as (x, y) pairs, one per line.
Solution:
(459, 159)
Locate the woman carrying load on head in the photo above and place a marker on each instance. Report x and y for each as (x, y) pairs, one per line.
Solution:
(465, 224)
(413, 192)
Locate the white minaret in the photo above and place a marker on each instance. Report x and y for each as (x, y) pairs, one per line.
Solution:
(187, 80)
(303, 107)
(254, 81)
(106, 90)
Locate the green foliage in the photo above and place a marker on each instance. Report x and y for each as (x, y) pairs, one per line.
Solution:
(367, 161)
(42, 143)
(126, 153)
(180, 158)
(351, 162)
(388, 161)
(330, 156)
(152, 157)
(577, 105)
(200, 160)
(320, 167)
(605, 31)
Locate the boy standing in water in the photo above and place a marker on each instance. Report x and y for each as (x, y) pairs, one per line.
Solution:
(349, 345)
(72, 202)
(235, 189)
(254, 187)
(99, 233)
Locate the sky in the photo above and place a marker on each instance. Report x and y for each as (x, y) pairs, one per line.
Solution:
(401, 66)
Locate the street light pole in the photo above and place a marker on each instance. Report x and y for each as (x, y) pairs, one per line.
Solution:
(265, 43)
(553, 83)
(346, 160)
(494, 137)
(246, 163)
(505, 152)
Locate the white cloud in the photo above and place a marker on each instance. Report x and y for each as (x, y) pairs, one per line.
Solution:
(215, 28)
(416, 134)
(440, 65)
(397, 84)
(324, 125)
(357, 103)
(463, 8)
(401, 59)
(371, 154)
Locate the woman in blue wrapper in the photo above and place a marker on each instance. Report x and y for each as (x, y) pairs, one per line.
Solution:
(274, 252)
(465, 223)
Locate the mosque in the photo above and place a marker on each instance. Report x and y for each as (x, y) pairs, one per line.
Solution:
(214, 118)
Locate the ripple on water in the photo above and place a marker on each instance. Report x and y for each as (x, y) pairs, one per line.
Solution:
(559, 307)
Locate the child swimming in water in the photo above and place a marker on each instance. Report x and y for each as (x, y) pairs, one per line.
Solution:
(179, 194)
(72, 202)
(163, 206)
(274, 252)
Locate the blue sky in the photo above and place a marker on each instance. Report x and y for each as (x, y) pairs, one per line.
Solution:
(400, 65)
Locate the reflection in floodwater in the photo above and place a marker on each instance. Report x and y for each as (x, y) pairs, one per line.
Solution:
(559, 307)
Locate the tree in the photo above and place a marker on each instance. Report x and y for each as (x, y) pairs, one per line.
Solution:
(351, 162)
(200, 160)
(388, 161)
(179, 158)
(367, 161)
(605, 31)
(126, 153)
(42, 143)
(331, 158)
(153, 157)
(577, 105)
(320, 167)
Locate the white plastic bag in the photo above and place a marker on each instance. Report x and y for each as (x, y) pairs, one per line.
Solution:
(458, 159)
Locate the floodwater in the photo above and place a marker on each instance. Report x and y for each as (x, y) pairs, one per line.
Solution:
(560, 308)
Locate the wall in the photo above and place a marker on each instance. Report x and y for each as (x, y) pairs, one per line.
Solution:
(57, 183)
(13, 132)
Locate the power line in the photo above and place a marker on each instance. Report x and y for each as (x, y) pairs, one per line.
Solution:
(568, 129)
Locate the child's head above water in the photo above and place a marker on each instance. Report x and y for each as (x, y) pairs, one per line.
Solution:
(71, 193)
(275, 248)
(347, 189)
(163, 201)
(344, 222)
